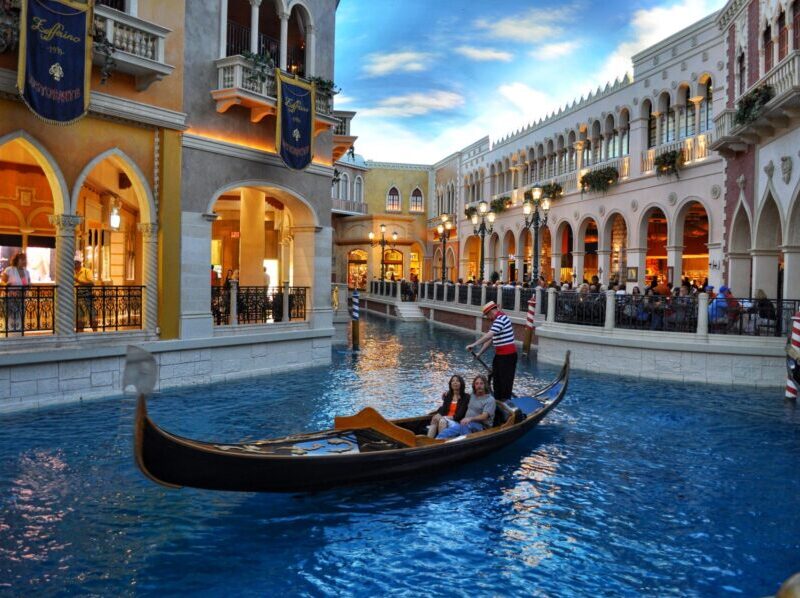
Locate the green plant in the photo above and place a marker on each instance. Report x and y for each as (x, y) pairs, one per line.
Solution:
(750, 105)
(325, 86)
(552, 190)
(262, 66)
(469, 211)
(600, 180)
(500, 204)
(668, 163)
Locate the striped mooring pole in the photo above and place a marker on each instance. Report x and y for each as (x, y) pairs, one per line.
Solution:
(526, 345)
(794, 352)
(356, 339)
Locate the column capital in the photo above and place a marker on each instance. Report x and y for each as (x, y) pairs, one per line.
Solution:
(65, 223)
(603, 252)
(674, 247)
(149, 230)
(283, 16)
(255, 3)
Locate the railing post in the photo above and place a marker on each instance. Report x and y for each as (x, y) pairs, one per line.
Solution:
(483, 295)
(551, 305)
(234, 310)
(517, 291)
(539, 298)
(702, 315)
(436, 290)
(469, 293)
(611, 304)
(399, 290)
(287, 317)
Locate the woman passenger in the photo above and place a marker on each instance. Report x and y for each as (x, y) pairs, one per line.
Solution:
(453, 409)
(480, 411)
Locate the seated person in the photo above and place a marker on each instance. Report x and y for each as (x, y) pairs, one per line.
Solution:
(480, 412)
(453, 409)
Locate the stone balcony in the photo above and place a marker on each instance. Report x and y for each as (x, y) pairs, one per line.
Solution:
(777, 115)
(139, 46)
(694, 150)
(239, 85)
(348, 207)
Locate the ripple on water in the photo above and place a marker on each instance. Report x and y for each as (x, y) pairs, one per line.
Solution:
(630, 488)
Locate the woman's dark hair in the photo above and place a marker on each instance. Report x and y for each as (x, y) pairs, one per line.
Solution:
(16, 259)
(485, 383)
(449, 394)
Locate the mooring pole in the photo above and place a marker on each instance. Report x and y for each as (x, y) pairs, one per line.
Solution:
(356, 339)
(526, 345)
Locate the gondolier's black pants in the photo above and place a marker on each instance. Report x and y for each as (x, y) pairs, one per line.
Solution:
(504, 368)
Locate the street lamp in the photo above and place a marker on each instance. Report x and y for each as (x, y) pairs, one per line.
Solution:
(383, 243)
(479, 219)
(535, 218)
(444, 234)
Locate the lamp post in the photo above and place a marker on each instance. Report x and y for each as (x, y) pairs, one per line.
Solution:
(383, 243)
(444, 234)
(535, 209)
(479, 219)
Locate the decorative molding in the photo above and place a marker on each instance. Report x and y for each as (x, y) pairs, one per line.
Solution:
(741, 181)
(634, 205)
(65, 223)
(602, 210)
(786, 169)
(769, 169)
(716, 191)
(576, 214)
(149, 230)
(672, 198)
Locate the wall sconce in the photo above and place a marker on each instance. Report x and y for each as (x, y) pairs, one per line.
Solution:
(114, 218)
(714, 265)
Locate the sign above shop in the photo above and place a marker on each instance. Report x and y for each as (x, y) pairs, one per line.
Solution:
(296, 114)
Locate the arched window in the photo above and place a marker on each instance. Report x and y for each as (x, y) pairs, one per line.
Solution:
(358, 190)
(652, 127)
(393, 200)
(783, 36)
(416, 201)
(741, 69)
(796, 25)
(707, 107)
(689, 115)
(668, 132)
(344, 187)
(768, 49)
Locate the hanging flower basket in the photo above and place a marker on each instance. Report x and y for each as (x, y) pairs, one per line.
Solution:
(668, 163)
(600, 180)
(751, 104)
(500, 204)
(468, 212)
(552, 190)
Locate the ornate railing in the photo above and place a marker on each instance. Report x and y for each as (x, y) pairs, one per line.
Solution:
(237, 72)
(256, 305)
(692, 149)
(587, 309)
(238, 41)
(130, 34)
(220, 305)
(671, 314)
(463, 293)
(507, 296)
(103, 308)
(751, 317)
(346, 205)
(28, 309)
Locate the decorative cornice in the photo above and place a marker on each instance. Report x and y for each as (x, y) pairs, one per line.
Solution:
(727, 14)
(223, 148)
(398, 166)
(107, 105)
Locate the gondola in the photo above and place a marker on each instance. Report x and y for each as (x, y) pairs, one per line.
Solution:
(360, 448)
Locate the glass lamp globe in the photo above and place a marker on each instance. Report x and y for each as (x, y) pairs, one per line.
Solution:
(491, 217)
(483, 207)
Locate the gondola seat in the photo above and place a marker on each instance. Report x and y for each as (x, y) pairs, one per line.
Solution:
(504, 414)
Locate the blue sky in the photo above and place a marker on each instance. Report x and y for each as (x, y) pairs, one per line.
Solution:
(428, 77)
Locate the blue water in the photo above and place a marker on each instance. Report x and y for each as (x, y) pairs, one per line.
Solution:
(627, 489)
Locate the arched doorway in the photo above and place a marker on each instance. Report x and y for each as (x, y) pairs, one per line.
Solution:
(767, 256)
(545, 254)
(526, 250)
(564, 242)
(692, 236)
(493, 253)
(508, 263)
(450, 260)
(471, 257)
(655, 231)
(739, 266)
(588, 243)
(416, 257)
(357, 269)
(393, 262)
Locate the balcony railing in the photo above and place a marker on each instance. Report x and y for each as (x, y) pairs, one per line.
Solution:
(352, 207)
(256, 305)
(238, 41)
(104, 308)
(239, 84)
(751, 317)
(26, 310)
(694, 149)
(139, 46)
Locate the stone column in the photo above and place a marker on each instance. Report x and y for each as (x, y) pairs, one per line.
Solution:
(697, 104)
(313, 248)
(223, 28)
(555, 264)
(765, 272)
(715, 254)
(311, 52)
(577, 265)
(233, 298)
(702, 315)
(637, 142)
(611, 304)
(254, 7)
(675, 261)
(636, 257)
(284, 17)
(739, 274)
(791, 272)
(620, 144)
(502, 267)
(517, 298)
(469, 293)
(551, 305)
(65, 268)
(578, 155)
(252, 238)
(604, 264)
(149, 232)
(659, 126)
(519, 266)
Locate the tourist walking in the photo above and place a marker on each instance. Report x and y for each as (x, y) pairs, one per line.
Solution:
(504, 364)
(16, 275)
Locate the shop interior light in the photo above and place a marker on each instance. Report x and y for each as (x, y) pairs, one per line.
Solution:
(115, 219)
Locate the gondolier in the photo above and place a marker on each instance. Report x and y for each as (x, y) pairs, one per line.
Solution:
(504, 364)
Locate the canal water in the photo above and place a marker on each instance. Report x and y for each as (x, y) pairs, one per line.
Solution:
(629, 488)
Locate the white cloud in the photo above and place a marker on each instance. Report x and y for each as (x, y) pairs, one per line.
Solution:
(484, 54)
(343, 100)
(650, 27)
(556, 50)
(378, 64)
(530, 26)
(414, 104)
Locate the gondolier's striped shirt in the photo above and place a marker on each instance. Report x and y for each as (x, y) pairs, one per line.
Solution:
(503, 338)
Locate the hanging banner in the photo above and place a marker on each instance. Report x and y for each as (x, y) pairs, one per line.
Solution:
(296, 114)
(55, 59)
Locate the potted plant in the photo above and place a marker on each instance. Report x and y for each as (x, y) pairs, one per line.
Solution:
(668, 163)
(500, 204)
(600, 180)
(751, 104)
(469, 211)
(552, 190)
(261, 66)
(325, 86)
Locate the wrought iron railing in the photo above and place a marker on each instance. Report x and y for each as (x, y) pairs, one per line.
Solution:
(104, 308)
(27, 309)
(254, 305)
(491, 294)
(463, 293)
(508, 296)
(221, 305)
(587, 309)
(525, 294)
(670, 314)
(409, 291)
(751, 317)
(476, 294)
(439, 292)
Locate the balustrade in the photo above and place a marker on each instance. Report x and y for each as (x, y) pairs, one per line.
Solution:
(27, 309)
(104, 308)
